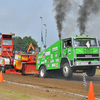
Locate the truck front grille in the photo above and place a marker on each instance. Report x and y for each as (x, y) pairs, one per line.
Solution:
(87, 55)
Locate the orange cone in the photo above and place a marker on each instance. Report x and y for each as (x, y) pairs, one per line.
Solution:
(91, 92)
(1, 77)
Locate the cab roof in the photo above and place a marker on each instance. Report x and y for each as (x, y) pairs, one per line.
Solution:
(82, 37)
(78, 37)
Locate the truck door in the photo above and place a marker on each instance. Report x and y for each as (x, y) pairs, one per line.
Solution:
(68, 49)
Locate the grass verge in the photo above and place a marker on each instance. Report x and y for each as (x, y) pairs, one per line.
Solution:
(13, 95)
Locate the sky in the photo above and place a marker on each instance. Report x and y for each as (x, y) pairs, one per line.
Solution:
(22, 17)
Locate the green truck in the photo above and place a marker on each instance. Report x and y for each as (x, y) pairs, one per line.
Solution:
(75, 54)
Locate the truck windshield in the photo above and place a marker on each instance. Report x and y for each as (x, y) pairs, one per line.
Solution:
(82, 42)
(7, 42)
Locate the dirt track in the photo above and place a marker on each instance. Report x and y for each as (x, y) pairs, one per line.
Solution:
(54, 88)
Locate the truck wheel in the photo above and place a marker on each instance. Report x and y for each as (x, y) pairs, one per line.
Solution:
(3, 69)
(67, 72)
(42, 72)
(91, 71)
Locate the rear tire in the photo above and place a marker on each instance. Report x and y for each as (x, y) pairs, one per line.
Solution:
(91, 71)
(67, 72)
(43, 72)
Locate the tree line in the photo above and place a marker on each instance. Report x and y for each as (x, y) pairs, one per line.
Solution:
(22, 44)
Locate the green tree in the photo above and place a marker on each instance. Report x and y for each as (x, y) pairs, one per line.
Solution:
(17, 43)
(23, 44)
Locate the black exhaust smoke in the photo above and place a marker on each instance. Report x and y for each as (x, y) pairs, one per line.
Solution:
(61, 8)
(88, 7)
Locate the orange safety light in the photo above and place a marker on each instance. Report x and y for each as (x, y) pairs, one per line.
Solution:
(13, 34)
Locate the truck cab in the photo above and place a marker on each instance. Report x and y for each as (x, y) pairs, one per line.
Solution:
(6, 45)
(81, 54)
(6, 51)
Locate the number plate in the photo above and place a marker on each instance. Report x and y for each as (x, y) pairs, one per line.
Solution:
(88, 55)
(93, 63)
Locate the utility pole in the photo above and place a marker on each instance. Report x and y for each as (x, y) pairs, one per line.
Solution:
(41, 32)
(45, 34)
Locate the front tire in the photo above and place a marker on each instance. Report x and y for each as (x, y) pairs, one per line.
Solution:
(67, 72)
(43, 72)
(91, 71)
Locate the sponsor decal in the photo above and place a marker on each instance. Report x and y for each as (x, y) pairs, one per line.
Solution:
(52, 60)
(79, 50)
(14, 62)
(18, 57)
(1, 61)
(56, 64)
(95, 50)
(88, 50)
(38, 61)
(45, 61)
(43, 58)
(51, 56)
(47, 53)
(55, 54)
(57, 60)
(55, 48)
(44, 54)
(38, 66)
(53, 65)
(47, 65)
(39, 57)
(42, 62)
(69, 51)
